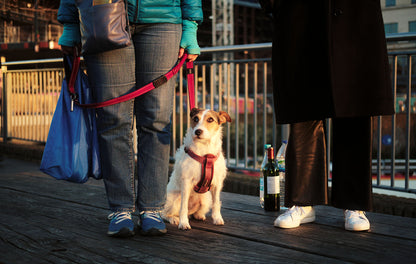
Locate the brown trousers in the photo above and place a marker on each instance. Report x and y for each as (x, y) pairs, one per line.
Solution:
(306, 164)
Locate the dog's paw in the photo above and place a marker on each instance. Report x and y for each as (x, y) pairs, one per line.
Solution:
(184, 226)
(218, 221)
(173, 220)
(200, 217)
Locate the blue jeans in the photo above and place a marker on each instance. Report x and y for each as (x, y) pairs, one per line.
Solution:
(117, 72)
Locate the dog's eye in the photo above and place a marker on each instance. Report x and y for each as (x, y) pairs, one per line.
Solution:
(210, 120)
(196, 119)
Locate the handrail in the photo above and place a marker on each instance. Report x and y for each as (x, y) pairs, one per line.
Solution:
(408, 36)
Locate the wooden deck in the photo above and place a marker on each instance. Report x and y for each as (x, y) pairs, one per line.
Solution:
(43, 220)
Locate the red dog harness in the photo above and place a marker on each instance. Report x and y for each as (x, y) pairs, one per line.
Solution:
(207, 170)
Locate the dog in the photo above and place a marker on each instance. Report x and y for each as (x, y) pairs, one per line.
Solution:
(187, 194)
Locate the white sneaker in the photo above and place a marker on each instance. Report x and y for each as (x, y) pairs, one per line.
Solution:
(356, 220)
(295, 216)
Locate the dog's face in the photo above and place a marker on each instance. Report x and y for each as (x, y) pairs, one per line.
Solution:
(206, 123)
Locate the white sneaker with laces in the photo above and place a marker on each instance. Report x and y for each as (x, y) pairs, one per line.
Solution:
(295, 216)
(356, 220)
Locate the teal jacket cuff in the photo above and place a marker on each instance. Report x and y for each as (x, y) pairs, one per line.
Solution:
(71, 35)
(189, 40)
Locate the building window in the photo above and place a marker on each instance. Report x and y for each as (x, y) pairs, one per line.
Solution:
(391, 28)
(412, 26)
(391, 3)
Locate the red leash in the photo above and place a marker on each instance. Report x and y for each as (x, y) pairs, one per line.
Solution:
(148, 87)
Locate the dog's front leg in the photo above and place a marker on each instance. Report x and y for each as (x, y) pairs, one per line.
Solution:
(183, 213)
(216, 205)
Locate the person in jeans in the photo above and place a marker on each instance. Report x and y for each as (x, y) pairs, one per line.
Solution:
(161, 31)
(329, 61)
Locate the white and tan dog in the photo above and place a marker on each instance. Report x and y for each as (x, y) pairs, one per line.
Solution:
(203, 140)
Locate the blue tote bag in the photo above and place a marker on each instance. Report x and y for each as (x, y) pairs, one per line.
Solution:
(71, 152)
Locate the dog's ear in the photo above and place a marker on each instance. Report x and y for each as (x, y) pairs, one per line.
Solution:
(224, 117)
(194, 111)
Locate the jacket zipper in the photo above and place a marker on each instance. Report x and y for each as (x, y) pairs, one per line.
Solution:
(136, 14)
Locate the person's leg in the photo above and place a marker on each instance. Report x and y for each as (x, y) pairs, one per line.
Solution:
(111, 74)
(351, 181)
(306, 173)
(306, 170)
(156, 51)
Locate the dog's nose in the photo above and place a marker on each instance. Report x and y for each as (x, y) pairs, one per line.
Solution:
(198, 132)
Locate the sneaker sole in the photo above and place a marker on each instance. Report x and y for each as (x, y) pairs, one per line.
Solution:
(124, 232)
(357, 229)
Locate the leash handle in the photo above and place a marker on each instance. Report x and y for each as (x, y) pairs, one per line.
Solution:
(190, 76)
(148, 87)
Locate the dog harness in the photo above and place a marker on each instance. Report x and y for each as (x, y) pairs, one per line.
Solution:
(207, 170)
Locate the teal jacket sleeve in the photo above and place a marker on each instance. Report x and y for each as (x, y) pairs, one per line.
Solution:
(192, 16)
(68, 16)
(192, 10)
(189, 39)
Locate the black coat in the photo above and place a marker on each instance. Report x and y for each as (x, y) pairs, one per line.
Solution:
(329, 60)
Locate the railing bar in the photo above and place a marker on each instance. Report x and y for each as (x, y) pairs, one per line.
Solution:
(408, 120)
(393, 126)
(264, 104)
(204, 78)
(255, 81)
(228, 110)
(379, 135)
(245, 114)
(221, 76)
(212, 85)
(237, 110)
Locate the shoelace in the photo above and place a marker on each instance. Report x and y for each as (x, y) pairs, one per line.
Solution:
(152, 215)
(295, 209)
(355, 213)
(119, 216)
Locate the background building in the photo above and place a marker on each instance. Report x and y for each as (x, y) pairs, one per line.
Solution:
(29, 28)
(399, 15)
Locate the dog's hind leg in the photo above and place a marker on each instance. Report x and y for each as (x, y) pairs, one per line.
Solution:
(171, 209)
(205, 206)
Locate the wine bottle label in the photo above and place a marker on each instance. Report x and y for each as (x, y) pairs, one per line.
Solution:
(261, 187)
(273, 185)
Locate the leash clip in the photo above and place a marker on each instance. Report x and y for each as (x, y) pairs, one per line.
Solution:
(73, 100)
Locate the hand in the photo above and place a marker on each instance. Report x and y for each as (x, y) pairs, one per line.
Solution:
(69, 50)
(191, 57)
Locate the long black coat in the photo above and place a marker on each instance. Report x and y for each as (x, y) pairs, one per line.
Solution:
(329, 60)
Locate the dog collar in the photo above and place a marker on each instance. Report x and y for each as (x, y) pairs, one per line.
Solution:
(207, 170)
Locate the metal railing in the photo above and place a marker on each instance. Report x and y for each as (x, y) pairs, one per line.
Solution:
(242, 87)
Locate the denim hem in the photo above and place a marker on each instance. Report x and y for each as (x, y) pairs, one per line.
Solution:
(152, 209)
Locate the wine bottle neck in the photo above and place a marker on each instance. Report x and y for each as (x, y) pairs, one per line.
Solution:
(270, 153)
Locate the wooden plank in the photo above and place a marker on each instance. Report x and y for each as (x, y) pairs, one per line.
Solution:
(60, 222)
(56, 229)
(326, 215)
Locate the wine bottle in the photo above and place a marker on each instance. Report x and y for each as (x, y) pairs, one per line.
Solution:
(261, 183)
(271, 183)
(280, 160)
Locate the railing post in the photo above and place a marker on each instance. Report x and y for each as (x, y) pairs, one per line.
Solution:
(4, 99)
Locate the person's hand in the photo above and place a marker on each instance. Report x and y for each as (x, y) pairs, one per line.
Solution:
(191, 57)
(69, 50)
